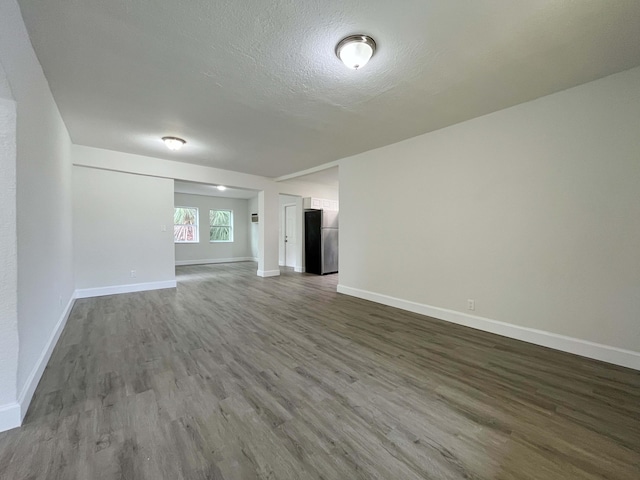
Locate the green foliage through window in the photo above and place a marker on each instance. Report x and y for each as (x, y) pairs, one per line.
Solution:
(185, 225)
(221, 225)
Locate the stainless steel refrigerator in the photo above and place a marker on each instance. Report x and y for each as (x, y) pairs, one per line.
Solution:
(321, 241)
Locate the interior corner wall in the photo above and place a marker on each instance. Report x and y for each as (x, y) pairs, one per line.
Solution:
(43, 204)
(532, 211)
(9, 342)
(268, 204)
(122, 223)
(211, 252)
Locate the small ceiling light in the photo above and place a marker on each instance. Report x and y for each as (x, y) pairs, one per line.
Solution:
(173, 143)
(355, 51)
(222, 188)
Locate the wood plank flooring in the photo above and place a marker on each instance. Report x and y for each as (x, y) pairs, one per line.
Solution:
(232, 376)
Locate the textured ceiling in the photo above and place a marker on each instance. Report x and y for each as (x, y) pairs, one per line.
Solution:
(254, 85)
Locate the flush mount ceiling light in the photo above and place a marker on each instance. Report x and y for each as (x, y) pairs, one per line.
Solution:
(222, 188)
(173, 143)
(356, 50)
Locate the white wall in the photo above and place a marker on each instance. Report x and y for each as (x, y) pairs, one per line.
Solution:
(253, 227)
(533, 212)
(205, 251)
(44, 242)
(122, 222)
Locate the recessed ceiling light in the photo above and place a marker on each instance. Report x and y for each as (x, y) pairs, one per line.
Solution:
(355, 51)
(173, 143)
(222, 188)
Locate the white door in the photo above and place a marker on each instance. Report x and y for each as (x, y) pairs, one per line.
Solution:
(290, 240)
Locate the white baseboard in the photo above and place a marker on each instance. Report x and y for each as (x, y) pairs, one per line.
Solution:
(268, 273)
(117, 289)
(10, 416)
(585, 348)
(25, 396)
(180, 263)
(299, 270)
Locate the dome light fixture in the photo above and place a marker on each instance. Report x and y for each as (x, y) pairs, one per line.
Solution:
(222, 188)
(173, 143)
(355, 51)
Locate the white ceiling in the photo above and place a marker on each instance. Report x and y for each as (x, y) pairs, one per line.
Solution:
(211, 190)
(254, 85)
(328, 176)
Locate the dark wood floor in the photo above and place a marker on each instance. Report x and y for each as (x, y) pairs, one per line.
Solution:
(232, 376)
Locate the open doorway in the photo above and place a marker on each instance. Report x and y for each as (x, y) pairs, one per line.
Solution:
(212, 224)
(323, 198)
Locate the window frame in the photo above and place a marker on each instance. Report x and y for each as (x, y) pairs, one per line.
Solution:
(196, 224)
(230, 226)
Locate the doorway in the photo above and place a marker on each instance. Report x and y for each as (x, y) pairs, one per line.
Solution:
(290, 235)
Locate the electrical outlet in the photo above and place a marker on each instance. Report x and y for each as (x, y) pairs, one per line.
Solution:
(163, 228)
(133, 274)
(471, 304)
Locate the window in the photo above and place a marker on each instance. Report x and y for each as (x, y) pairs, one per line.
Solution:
(221, 226)
(185, 225)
